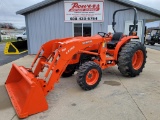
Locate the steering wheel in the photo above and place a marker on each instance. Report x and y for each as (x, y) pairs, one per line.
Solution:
(103, 34)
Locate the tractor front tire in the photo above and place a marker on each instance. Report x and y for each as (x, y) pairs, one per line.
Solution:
(132, 59)
(89, 75)
(69, 71)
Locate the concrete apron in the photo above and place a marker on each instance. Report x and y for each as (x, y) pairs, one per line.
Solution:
(115, 98)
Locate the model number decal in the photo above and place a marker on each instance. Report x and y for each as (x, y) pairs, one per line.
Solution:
(87, 42)
(68, 51)
(64, 49)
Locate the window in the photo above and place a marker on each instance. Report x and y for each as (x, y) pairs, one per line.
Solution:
(77, 29)
(82, 29)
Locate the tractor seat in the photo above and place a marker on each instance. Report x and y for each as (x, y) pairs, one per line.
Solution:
(116, 37)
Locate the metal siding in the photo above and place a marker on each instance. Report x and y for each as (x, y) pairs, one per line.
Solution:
(27, 33)
(48, 23)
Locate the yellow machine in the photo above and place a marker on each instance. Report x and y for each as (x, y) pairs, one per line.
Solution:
(15, 47)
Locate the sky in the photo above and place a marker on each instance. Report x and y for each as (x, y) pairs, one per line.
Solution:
(151, 3)
(8, 10)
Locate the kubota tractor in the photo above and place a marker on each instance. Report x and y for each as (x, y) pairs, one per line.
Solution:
(62, 57)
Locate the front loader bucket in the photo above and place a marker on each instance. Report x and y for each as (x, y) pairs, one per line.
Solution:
(25, 92)
(17, 47)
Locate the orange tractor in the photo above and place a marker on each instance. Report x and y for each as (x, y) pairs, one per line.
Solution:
(62, 57)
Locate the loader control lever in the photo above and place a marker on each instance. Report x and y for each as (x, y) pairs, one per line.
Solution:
(102, 34)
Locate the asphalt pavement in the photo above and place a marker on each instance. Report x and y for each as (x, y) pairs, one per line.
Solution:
(155, 47)
(4, 59)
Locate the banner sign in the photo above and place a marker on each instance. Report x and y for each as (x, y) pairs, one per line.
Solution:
(84, 11)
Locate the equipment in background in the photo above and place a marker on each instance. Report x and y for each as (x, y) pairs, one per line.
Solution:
(153, 37)
(18, 47)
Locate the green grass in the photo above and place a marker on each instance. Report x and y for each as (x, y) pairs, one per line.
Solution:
(9, 40)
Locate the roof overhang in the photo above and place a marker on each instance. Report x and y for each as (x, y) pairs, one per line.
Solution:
(124, 2)
(138, 6)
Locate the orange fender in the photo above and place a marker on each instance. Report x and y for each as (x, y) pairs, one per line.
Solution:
(123, 41)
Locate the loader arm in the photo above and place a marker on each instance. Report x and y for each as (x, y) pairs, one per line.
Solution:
(45, 52)
(27, 90)
(56, 55)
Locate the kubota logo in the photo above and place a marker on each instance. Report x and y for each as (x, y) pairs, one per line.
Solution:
(76, 7)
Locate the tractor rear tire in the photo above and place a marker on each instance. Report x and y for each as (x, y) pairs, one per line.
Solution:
(19, 39)
(89, 75)
(152, 43)
(146, 43)
(69, 71)
(132, 59)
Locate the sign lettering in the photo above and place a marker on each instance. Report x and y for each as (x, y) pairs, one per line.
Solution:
(83, 11)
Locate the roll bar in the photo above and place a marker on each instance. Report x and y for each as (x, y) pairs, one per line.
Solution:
(134, 22)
